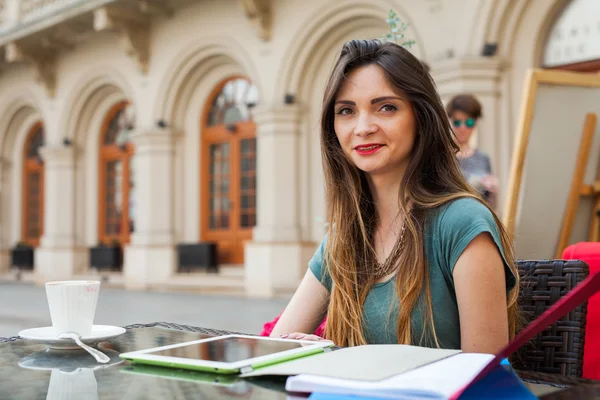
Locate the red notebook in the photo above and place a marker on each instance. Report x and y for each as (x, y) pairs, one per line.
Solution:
(575, 297)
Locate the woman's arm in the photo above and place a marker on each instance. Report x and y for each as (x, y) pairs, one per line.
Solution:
(480, 283)
(306, 309)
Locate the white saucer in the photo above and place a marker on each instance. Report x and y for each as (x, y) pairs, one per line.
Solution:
(47, 336)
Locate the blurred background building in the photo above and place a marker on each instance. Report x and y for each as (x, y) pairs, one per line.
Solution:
(135, 135)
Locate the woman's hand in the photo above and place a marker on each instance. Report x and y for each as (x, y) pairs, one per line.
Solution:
(302, 336)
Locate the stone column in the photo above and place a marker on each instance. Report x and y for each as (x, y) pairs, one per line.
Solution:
(150, 257)
(482, 77)
(57, 257)
(276, 258)
(5, 223)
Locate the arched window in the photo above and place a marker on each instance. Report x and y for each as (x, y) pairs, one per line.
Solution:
(116, 183)
(32, 226)
(574, 40)
(228, 209)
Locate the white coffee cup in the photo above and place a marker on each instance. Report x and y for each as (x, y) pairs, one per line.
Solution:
(73, 305)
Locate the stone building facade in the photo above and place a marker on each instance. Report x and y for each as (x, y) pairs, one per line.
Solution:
(148, 125)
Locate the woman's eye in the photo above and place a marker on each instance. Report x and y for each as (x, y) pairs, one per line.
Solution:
(388, 108)
(344, 111)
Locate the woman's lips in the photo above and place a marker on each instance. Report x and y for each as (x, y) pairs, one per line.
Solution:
(366, 149)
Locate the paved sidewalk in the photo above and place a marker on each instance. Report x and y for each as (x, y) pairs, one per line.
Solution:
(24, 306)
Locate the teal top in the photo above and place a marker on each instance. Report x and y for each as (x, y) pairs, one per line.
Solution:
(448, 231)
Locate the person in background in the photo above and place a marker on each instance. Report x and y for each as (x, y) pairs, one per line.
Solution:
(464, 112)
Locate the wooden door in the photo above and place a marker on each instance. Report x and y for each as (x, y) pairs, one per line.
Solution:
(115, 219)
(32, 226)
(228, 187)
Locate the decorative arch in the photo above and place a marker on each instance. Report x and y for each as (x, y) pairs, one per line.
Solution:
(182, 97)
(492, 21)
(328, 26)
(187, 66)
(115, 179)
(91, 99)
(86, 96)
(228, 170)
(32, 220)
(19, 114)
(15, 111)
(499, 23)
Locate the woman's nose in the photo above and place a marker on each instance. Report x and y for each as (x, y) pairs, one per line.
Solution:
(364, 126)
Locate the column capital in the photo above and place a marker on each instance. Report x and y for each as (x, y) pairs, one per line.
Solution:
(153, 137)
(58, 155)
(276, 119)
(478, 75)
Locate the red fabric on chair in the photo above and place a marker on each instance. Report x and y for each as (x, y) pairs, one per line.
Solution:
(590, 253)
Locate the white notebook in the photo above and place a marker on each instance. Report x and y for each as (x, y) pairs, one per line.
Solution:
(438, 380)
(367, 363)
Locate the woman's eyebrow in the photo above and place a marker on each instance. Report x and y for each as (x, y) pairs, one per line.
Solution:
(374, 101)
(384, 98)
(348, 102)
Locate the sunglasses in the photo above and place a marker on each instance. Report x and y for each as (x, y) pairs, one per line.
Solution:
(469, 123)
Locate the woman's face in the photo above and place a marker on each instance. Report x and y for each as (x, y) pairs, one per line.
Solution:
(463, 126)
(374, 125)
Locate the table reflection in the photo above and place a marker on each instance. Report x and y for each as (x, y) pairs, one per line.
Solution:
(71, 371)
(31, 371)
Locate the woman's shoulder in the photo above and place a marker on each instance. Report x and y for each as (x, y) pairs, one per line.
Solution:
(466, 203)
(462, 211)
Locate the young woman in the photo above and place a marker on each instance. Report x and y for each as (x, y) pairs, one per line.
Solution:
(412, 255)
(464, 111)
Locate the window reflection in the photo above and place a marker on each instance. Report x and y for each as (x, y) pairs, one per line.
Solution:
(219, 206)
(233, 103)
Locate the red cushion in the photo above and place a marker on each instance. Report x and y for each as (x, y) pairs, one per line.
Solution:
(269, 325)
(590, 253)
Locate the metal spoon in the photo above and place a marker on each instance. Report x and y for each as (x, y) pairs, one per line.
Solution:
(98, 355)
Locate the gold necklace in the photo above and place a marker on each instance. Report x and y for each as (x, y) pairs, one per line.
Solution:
(383, 269)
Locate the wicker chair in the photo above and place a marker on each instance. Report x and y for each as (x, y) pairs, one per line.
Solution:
(558, 349)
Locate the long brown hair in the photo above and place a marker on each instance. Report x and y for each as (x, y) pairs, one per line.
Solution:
(432, 178)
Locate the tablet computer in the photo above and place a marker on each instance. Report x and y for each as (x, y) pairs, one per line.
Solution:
(230, 354)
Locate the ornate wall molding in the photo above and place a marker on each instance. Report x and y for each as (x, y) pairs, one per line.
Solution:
(132, 29)
(260, 14)
(41, 56)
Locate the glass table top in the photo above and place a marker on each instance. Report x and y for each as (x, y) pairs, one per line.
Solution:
(30, 370)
